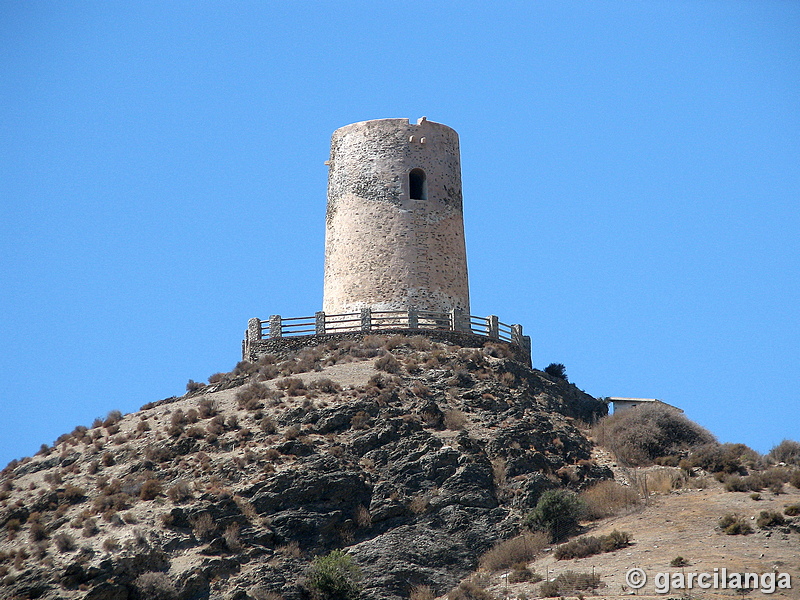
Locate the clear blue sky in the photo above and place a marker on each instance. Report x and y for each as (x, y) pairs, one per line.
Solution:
(631, 176)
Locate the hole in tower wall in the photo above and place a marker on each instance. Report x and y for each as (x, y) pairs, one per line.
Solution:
(417, 185)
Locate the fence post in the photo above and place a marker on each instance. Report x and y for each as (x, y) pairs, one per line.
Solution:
(366, 319)
(319, 322)
(413, 318)
(253, 330)
(275, 327)
(516, 335)
(494, 326)
(526, 345)
(457, 320)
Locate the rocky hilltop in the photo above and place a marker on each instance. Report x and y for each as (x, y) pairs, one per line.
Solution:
(412, 455)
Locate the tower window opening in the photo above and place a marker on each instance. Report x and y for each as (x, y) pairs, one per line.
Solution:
(417, 185)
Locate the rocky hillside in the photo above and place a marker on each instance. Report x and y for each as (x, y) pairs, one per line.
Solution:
(413, 456)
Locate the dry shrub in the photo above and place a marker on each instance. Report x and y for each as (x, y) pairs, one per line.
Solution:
(418, 504)
(568, 582)
(110, 544)
(788, 451)
(793, 510)
(639, 435)
(195, 432)
(722, 458)
(180, 492)
(249, 396)
(360, 420)
(294, 386)
(246, 508)
(155, 586)
(204, 526)
(291, 549)
(268, 425)
(608, 498)
(231, 537)
(325, 385)
(37, 532)
(661, 481)
(472, 588)
(769, 518)
(520, 573)
(420, 390)
(150, 489)
(291, 433)
(207, 408)
(363, 518)
(455, 420)
(113, 418)
(261, 593)
(589, 545)
(64, 542)
(159, 454)
(194, 386)
(90, 528)
(421, 592)
(387, 363)
(733, 524)
(520, 549)
(497, 350)
(419, 342)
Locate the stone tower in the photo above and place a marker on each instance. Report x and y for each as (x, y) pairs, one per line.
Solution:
(394, 234)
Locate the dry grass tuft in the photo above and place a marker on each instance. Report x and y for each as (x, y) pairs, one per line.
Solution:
(520, 549)
(608, 498)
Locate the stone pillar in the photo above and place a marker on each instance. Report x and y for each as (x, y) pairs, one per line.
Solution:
(275, 329)
(494, 326)
(458, 321)
(516, 335)
(526, 345)
(253, 330)
(366, 319)
(413, 318)
(319, 318)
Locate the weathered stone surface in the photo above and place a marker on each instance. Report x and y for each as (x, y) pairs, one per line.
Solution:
(415, 503)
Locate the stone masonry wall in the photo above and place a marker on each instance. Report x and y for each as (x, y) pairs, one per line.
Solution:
(384, 250)
(252, 350)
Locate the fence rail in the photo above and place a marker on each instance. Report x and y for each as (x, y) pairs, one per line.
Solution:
(378, 320)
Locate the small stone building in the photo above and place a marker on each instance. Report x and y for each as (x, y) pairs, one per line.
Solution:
(623, 404)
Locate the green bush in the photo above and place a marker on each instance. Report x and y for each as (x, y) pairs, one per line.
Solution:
(792, 510)
(639, 436)
(557, 512)
(733, 524)
(679, 561)
(556, 370)
(334, 577)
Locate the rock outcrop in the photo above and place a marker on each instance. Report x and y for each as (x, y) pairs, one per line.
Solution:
(416, 457)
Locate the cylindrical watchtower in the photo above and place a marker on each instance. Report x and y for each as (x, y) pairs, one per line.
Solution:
(394, 233)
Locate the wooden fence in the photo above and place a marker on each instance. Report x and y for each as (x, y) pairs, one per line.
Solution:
(377, 320)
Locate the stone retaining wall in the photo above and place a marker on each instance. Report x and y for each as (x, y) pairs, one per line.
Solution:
(252, 350)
